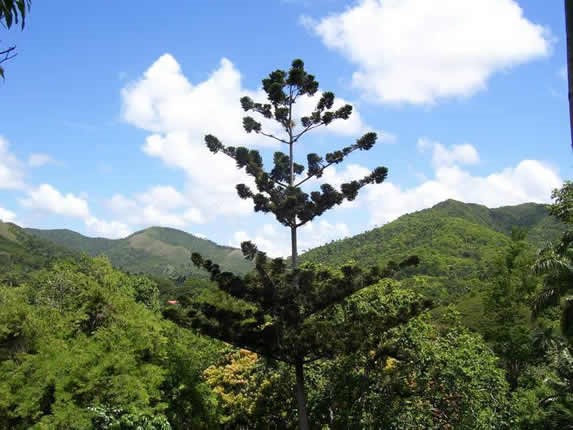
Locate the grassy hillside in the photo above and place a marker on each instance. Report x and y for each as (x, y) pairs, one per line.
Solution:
(156, 251)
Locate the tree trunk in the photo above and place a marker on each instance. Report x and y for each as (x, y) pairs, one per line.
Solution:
(294, 252)
(300, 397)
(299, 366)
(569, 32)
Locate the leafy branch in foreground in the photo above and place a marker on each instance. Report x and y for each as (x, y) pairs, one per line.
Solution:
(12, 12)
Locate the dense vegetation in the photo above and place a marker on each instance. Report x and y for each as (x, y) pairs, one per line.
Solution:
(83, 345)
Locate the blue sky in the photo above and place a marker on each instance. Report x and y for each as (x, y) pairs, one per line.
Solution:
(104, 109)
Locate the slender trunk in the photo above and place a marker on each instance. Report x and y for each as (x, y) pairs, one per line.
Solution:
(299, 366)
(300, 397)
(294, 251)
(569, 32)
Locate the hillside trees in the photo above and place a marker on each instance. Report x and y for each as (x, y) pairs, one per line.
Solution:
(83, 346)
(555, 262)
(506, 308)
(282, 318)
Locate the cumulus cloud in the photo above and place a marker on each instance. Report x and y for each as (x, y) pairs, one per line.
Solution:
(108, 229)
(528, 181)
(160, 205)
(178, 114)
(446, 156)
(7, 216)
(420, 51)
(275, 240)
(163, 196)
(46, 197)
(11, 173)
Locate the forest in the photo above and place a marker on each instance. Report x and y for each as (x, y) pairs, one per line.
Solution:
(458, 316)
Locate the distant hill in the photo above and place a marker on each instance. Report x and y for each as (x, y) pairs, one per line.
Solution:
(156, 251)
(531, 216)
(455, 241)
(21, 252)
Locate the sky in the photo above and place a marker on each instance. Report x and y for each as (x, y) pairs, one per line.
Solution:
(104, 110)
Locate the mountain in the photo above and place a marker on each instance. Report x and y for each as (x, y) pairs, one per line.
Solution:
(156, 251)
(457, 243)
(21, 252)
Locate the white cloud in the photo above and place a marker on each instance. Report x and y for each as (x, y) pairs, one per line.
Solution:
(447, 156)
(108, 229)
(162, 196)
(11, 174)
(7, 216)
(528, 181)
(420, 51)
(337, 176)
(193, 215)
(121, 204)
(46, 197)
(39, 159)
(178, 114)
(563, 74)
(275, 241)
(159, 205)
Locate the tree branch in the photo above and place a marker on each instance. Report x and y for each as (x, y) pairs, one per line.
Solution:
(310, 127)
(272, 137)
(7, 54)
(322, 169)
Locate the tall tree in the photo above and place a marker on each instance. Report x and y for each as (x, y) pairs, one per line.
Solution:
(12, 12)
(283, 318)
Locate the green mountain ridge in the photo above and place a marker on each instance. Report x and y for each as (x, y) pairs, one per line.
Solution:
(21, 252)
(454, 240)
(158, 251)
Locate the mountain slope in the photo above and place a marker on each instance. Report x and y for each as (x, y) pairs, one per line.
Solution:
(457, 243)
(21, 252)
(531, 216)
(156, 251)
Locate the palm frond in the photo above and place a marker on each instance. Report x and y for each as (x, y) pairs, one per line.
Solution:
(549, 296)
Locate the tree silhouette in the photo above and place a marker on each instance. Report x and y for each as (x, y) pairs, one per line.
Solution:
(284, 318)
(12, 12)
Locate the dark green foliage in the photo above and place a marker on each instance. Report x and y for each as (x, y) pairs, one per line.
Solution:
(555, 262)
(278, 324)
(278, 191)
(12, 12)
